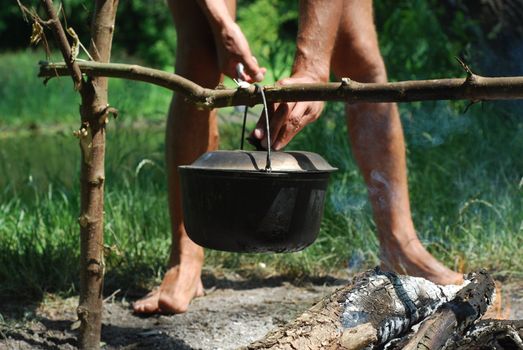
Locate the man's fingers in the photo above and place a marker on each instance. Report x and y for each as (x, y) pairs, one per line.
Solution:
(277, 120)
(253, 72)
(295, 121)
(277, 117)
(285, 81)
(260, 128)
(292, 80)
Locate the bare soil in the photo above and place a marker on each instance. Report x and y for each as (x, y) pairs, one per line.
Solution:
(232, 314)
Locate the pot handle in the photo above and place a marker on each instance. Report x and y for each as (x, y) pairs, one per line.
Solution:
(267, 131)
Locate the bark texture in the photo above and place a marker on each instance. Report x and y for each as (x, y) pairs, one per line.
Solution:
(65, 48)
(94, 113)
(317, 328)
(391, 303)
(473, 87)
(377, 310)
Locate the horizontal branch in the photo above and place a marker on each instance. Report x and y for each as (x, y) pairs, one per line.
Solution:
(473, 87)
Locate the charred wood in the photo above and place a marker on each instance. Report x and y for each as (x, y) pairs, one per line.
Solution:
(451, 319)
(492, 334)
(374, 308)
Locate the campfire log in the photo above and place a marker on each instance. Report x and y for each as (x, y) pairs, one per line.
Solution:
(378, 310)
(454, 317)
(492, 334)
(374, 308)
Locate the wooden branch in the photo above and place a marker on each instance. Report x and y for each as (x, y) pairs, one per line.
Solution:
(170, 81)
(452, 318)
(94, 113)
(56, 27)
(473, 87)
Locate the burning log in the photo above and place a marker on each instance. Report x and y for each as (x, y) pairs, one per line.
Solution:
(492, 334)
(454, 317)
(382, 310)
(374, 308)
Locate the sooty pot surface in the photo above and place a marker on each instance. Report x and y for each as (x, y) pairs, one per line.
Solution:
(232, 203)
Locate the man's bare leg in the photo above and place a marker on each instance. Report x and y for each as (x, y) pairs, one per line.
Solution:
(190, 133)
(378, 145)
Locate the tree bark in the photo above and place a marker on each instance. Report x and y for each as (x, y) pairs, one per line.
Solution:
(63, 44)
(473, 87)
(94, 112)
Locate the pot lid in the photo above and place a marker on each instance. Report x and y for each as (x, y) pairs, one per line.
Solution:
(295, 161)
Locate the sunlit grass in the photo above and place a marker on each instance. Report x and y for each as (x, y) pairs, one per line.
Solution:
(25, 101)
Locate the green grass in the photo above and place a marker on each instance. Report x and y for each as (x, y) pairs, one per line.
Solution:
(25, 101)
(465, 175)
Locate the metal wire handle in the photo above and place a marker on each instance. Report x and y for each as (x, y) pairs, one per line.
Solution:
(268, 161)
(268, 133)
(243, 128)
(239, 72)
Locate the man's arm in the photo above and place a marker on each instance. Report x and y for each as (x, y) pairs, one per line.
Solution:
(318, 24)
(231, 44)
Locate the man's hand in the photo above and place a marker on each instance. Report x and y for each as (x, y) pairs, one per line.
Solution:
(319, 21)
(231, 44)
(287, 119)
(233, 48)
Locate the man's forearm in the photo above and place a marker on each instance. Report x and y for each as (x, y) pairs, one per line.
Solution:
(217, 14)
(319, 21)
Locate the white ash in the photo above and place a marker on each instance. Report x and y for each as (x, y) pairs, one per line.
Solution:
(393, 303)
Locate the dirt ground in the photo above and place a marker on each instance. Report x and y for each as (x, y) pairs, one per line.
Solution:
(233, 313)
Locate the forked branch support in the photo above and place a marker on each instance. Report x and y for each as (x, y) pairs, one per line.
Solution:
(473, 87)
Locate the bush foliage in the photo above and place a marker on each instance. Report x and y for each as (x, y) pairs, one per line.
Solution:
(412, 32)
(144, 27)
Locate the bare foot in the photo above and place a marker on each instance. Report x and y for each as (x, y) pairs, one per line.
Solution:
(174, 294)
(411, 258)
(180, 285)
(148, 304)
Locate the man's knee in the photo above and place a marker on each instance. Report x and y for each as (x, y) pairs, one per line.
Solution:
(360, 60)
(367, 62)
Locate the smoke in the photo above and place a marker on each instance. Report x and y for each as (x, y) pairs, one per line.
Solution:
(356, 261)
(348, 196)
(433, 123)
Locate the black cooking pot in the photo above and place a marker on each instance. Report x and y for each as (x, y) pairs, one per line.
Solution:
(239, 201)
